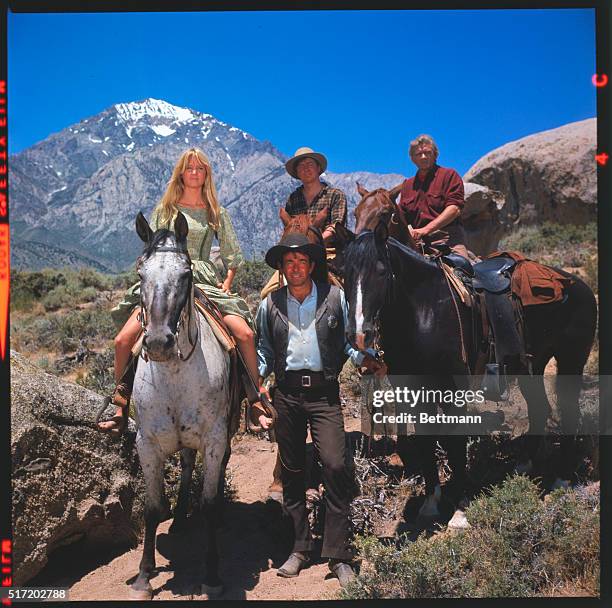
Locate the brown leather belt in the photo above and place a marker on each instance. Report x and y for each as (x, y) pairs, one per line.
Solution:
(304, 380)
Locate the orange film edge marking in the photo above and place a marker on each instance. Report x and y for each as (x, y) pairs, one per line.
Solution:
(4, 285)
(600, 81)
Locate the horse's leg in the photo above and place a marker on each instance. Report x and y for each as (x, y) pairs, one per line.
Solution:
(152, 462)
(214, 453)
(426, 445)
(568, 385)
(538, 410)
(188, 458)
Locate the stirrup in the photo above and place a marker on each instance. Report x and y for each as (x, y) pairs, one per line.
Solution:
(494, 384)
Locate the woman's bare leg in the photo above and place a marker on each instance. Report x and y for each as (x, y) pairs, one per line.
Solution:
(245, 339)
(124, 341)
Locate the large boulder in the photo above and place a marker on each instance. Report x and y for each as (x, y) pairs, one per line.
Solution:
(70, 482)
(546, 176)
(483, 218)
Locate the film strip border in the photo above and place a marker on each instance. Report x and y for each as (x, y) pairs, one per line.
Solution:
(6, 566)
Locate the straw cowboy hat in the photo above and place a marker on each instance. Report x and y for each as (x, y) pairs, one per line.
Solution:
(294, 242)
(301, 153)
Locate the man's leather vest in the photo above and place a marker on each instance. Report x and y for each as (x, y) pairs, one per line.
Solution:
(329, 325)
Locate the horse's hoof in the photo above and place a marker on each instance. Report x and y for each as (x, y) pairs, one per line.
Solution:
(141, 594)
(212, 591)
(458, 521)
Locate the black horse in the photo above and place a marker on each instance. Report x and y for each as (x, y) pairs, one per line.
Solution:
(400, 301)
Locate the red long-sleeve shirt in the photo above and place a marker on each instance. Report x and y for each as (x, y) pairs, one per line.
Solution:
(425, 200)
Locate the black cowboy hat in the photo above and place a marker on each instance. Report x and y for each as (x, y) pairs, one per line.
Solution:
(294, 242)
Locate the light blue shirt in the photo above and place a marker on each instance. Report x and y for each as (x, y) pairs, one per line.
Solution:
(302, 347)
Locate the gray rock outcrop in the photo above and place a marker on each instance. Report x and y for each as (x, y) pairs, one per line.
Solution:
(546, 176)
(70, 482)
(483, 218)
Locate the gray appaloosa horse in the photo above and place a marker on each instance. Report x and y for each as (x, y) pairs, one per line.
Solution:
(182, 396)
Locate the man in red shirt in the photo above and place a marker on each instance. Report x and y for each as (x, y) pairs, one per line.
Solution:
(433, 199)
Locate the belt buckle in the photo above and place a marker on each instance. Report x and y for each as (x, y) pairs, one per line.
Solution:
(306, 381)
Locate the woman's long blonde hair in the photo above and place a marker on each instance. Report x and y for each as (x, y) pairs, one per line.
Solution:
(167, 206)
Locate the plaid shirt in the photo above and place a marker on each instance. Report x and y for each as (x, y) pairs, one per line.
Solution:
(332, 198)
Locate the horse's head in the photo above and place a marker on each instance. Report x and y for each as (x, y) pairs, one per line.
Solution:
(367, 281)
(166, 279)
(379, 206)
(301, 224)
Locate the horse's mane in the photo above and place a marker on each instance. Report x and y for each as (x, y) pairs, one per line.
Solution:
(362, 254)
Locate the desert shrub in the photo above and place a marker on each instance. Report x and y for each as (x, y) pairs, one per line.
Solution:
(86, 277)
(63, 331)
(99, 376)
(518, 545)
(29, 287)
(548, 236)
(56, 288)
(252, 276)
(59, 297)
(124, 280)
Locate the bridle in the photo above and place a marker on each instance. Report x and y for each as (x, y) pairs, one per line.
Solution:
(378, 351)
(186, 310)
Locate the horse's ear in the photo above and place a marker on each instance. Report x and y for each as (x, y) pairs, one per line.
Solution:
(394, 192)
(180, 227)
(362, 191)
(143, 229)
(381, 232)
(343, 235)
(284, 216)
(320, 218)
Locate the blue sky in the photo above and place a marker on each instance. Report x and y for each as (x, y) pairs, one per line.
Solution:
(355, 85)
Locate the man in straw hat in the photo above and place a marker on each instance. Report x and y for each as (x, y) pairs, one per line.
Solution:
(301, 339)
(314, 195)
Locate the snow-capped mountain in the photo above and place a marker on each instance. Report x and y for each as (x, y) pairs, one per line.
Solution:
(80, 189)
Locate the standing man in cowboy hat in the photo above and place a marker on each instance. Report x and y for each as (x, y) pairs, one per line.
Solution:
(301, 339)
(314, 194)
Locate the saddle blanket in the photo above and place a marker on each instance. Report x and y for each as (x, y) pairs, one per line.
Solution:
(534, 283)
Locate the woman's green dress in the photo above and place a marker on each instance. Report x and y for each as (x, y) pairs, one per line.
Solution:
(205, 274)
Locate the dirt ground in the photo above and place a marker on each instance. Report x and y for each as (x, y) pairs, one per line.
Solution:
(251, 547)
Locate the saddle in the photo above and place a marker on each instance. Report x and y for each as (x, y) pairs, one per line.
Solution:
(500, 287)
(496, 314)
